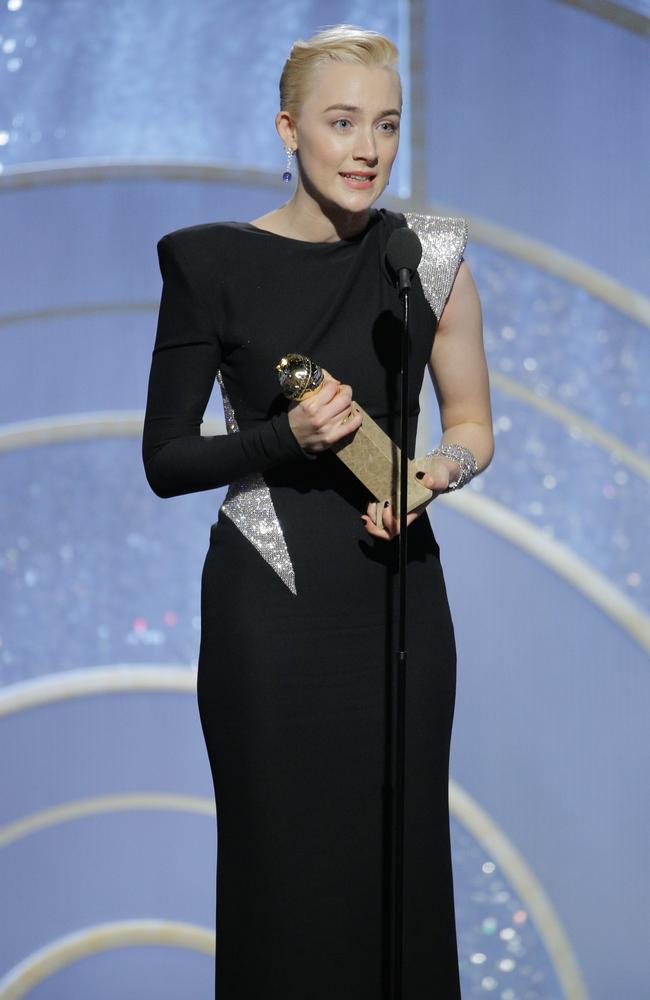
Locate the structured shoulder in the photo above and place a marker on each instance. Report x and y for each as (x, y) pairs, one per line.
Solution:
(443, 239)
(199, 253)
(445, 232)
(192, 242)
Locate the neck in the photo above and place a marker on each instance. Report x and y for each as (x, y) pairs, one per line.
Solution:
(321, 222)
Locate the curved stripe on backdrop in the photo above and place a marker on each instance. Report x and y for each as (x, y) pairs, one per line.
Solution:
(97, 681)
(496, 516)
(515, 244)
(56, 955)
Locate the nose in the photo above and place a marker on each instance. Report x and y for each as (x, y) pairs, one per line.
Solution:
(367, 148)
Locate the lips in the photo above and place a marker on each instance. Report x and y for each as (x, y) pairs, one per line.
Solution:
(359, 174)
(359, 182)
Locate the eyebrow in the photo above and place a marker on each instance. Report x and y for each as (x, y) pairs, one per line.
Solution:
(353, 107)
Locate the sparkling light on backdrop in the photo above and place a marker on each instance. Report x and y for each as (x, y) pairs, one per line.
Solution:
(89, 80)
(91, 575)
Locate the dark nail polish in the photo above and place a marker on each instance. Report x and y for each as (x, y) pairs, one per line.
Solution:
(419, 475)
(387, 503)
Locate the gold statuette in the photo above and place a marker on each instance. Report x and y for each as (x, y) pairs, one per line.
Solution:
(368, 452)
(299, 377)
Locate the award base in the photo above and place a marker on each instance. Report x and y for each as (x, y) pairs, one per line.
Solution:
(369, 452)
(374, 459)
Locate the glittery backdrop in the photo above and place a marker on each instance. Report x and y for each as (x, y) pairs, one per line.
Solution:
(93, 575)
(84, 80)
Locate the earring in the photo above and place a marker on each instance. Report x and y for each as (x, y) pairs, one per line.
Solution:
(286, 176)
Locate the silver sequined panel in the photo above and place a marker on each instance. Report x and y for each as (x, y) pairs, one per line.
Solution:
(249, 506)
(443, 239)
(248, 503)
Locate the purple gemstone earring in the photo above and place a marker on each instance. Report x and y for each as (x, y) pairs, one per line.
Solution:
(286, 176)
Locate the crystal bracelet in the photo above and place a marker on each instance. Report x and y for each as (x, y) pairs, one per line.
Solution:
(459, 453)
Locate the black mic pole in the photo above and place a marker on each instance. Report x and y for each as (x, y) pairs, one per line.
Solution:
(403, 252)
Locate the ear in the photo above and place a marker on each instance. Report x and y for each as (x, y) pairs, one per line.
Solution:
(286, 129)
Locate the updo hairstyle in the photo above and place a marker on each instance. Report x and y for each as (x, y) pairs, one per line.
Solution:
(345, 43)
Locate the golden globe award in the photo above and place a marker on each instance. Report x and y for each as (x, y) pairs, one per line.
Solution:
(369, 453)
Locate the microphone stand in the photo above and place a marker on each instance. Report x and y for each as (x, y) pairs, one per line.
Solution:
(397, 727)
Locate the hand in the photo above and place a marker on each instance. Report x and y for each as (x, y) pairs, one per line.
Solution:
(324, 418)
(389, 520)
(437, 480)
(437, 477)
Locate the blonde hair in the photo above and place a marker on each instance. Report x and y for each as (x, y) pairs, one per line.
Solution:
(341, 43)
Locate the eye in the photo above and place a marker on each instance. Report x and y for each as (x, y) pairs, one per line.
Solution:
(392, 127)
(342, 120)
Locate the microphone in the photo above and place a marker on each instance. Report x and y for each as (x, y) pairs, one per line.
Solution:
(403, 253)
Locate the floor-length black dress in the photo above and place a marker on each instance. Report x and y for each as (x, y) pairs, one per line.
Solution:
(299, 608)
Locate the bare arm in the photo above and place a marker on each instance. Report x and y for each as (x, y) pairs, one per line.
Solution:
(459, 373)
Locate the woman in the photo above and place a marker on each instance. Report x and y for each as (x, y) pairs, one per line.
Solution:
(299, 588)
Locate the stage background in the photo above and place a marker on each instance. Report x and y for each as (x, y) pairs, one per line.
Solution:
(120, 122)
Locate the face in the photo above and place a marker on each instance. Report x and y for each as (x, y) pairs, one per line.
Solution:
(348, 124)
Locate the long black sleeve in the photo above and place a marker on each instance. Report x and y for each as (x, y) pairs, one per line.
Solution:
(185, 360)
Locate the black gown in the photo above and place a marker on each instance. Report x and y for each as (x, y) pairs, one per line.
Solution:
(299, 608)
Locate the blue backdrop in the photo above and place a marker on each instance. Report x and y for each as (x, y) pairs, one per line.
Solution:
(122, 121)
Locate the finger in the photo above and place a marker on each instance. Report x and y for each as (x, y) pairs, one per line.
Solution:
(351, 420)
(374, 513)
(372, 518)
(424, 479)
(330, 401)
(436, 480)
(339, 402)
(343, 424)
(329, 391)
(390, 521)
(373, 530)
